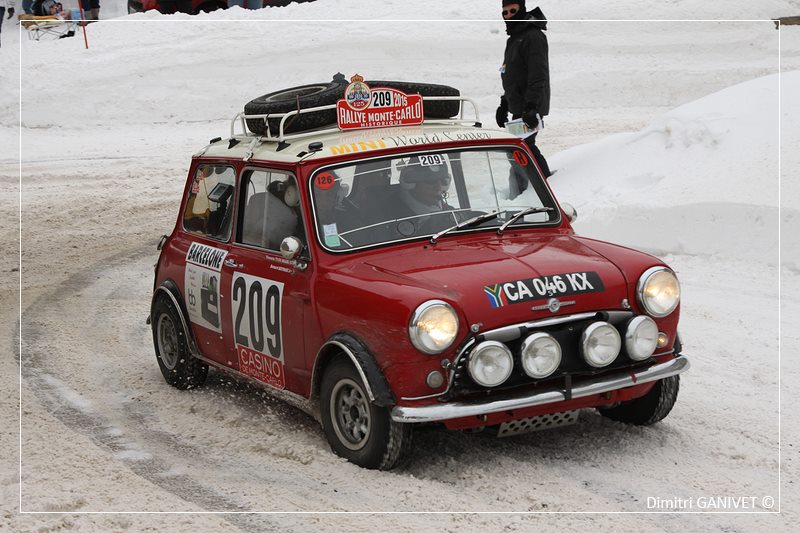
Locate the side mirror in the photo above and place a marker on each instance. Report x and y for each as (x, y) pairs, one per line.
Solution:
(291, 248)
(572, 215)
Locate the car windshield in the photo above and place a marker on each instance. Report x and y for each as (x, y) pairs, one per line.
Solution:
(384, 200)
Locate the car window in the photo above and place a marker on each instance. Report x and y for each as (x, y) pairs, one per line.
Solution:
(270, 207)
(385, 200)
(209, 208)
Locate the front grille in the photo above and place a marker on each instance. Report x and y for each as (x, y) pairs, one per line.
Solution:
(572, 365)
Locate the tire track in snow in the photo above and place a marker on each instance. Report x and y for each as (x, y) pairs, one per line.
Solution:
(80, 415)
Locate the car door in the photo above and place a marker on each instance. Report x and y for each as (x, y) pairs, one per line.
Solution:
(268, 294)
(204, 243)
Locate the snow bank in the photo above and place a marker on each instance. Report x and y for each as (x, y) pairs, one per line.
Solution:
(701, 179)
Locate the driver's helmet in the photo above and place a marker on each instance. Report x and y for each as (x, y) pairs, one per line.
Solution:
(415, 172)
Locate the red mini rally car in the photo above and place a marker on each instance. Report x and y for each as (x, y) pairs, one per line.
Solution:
(382, 261)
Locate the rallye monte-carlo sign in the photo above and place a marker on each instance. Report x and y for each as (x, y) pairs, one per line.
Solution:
(380, 107)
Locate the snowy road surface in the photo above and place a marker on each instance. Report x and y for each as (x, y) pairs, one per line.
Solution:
(106, 141)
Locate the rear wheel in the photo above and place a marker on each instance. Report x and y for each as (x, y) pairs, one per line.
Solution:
(650, 408)
(359, 431)
(179, 368)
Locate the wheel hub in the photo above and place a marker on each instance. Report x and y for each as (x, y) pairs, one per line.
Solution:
(167, 342)
(351, 418)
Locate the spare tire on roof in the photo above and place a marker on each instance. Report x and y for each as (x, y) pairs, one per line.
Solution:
(285, 100)
(433, 108)
(327, 93)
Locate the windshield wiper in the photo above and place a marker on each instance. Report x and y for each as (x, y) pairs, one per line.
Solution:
(474, 221)
(523, 213)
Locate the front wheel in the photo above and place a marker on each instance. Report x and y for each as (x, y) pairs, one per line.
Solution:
(359, 431)
(650, 408)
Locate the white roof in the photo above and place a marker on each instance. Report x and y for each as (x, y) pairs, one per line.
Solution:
(338, 143)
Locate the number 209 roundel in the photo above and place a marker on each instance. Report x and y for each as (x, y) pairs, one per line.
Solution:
(256, 305)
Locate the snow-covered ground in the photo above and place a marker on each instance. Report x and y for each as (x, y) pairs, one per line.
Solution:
(666, 137)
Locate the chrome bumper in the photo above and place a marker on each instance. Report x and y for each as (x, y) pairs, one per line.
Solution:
(446, 411)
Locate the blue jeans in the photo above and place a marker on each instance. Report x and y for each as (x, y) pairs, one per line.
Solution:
(27, 6)
(246, 4)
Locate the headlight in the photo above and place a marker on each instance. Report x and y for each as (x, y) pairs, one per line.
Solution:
(658, 291)
(600, 344)
(433, 327)
(490, 363)
(541, 355)
(641, 338)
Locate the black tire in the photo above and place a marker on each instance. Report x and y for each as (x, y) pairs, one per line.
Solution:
(375, 440)
(179, 368)
(135, 7)
(650, 408)
(285, 100)
(321, 94)
(433, 109)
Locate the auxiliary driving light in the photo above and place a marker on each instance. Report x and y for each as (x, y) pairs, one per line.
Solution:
(641, 338)
(541, 355)
(490, 363)
(600, 344)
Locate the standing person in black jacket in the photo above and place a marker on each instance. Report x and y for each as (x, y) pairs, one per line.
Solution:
(525, 73)
(10, 5)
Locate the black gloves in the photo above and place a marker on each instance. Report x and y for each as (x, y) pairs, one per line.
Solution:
(10, 12)
(531, 119)
(502, 113)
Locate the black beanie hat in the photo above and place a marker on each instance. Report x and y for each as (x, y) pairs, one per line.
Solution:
(521, 13)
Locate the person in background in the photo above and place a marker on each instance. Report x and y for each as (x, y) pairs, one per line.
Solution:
(49, 8)
(175, 6)
(525, 74)
(3, 5)
(91, 9)
(27, 7)
(246, 4)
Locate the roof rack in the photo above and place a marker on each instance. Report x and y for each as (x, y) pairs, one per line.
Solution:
(282, 137)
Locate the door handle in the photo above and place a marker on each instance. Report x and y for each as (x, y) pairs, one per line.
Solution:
(233, 264)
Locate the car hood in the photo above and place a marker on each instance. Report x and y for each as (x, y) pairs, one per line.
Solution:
(499, 281)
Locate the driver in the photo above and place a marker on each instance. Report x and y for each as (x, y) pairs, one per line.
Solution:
(423, 189)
